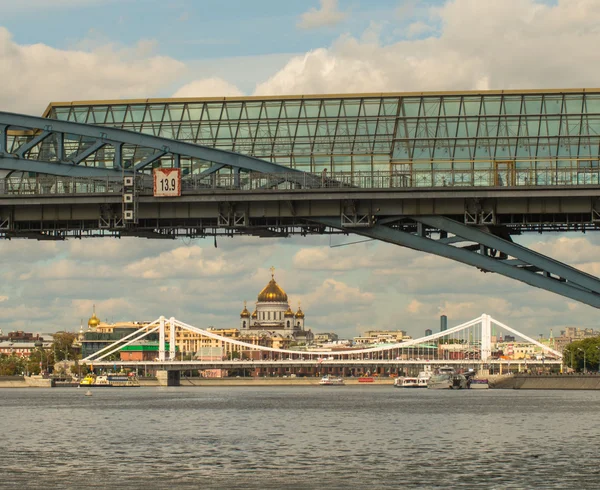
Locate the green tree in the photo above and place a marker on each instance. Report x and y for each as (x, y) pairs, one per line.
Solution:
(573, 354)
(62, 346)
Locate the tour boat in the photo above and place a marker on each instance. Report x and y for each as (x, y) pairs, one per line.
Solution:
(111, 380)
(329, 381)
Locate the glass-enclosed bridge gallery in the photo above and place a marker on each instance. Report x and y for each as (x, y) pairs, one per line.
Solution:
(497, 163)
(429, 139)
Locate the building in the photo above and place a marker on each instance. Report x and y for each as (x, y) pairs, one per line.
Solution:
(500, 137)
(382, 336)
(273, 317)
(325, 338)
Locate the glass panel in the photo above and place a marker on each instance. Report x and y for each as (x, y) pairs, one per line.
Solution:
(549, 126)
(311, 108)
(253, 110)
(401, 150)
(371, 107)
(176, 111)
(331, 108)
(390, 107)
(472, 105)
(452, 106)
(233, 110)
(213, 112)
(119, 113)
(80, 114)
(532, 104)
(224, 131)
(526, 147)
(166, 131)
(552, 104)
(512, 104)
(271, 110)
(422, 149)
(573, 104)
(291, 109)
(61, 113)
(485, 148)
(100, 114)
(546, 147)
(195, 111)
(491, 105)
(410, 106)
(593, 125)
(350, 108)
(137, 112)
(592, 103)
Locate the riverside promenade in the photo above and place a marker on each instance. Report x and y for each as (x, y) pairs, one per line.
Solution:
(509, 381)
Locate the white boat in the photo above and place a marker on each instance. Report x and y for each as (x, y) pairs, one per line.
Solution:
(329, 381)
(479, 384)
(409, 382)
(398, 382)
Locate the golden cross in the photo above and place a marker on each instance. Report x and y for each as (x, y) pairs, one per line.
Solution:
(272, 269)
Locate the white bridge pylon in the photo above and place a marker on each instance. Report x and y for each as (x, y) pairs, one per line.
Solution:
(479, 339)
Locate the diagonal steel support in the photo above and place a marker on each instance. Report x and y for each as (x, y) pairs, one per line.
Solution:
(529, 258)
(149, 160)
(483, 262)
(32, 143)
(80, 157)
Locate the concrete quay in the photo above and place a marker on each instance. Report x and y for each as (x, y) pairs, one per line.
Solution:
(546, 382)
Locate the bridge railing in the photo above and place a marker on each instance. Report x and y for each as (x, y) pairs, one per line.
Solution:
(293, 181)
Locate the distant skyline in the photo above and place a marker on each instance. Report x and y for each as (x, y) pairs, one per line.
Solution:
(93, 49)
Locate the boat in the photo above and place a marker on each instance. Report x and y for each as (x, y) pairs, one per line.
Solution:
(409, 382)
(88, 393)
(111, 380)
(447, 381)
(398, 382)
(329, 381)
(479, 384)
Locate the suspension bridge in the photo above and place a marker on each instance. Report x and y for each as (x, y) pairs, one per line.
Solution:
(471, 345)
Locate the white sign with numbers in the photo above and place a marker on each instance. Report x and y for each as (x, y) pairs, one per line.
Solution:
(167, 182)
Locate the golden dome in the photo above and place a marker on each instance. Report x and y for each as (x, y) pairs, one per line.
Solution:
(254, 314)
(94, 321)
(245, 313)
(289, 313)
(272, 293)
(299, 313)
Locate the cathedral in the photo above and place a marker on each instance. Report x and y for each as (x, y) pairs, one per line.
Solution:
(274, 316)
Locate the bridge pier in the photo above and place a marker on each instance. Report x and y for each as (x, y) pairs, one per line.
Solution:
(168, 378)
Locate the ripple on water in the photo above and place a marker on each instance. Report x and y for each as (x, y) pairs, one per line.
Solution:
(298, 437)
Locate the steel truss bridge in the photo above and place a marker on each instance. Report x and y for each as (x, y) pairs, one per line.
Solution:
(469, 344)
(49, 193)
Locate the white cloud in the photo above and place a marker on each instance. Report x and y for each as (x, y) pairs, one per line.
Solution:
(418, 28)
(482, 44)
(34, 75)
(328, 15)
(208, 87)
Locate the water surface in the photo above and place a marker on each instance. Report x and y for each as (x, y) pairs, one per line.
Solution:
(298, 437)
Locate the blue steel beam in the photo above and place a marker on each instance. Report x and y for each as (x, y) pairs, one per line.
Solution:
(55, 168)
(116, 137)
(528, 257)
(425, 244)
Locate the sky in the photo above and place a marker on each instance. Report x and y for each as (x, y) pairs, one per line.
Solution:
(93, 49)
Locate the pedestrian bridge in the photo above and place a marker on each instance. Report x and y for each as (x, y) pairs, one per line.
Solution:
(73, 180)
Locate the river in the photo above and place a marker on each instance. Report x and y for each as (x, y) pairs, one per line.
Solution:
(371, 437)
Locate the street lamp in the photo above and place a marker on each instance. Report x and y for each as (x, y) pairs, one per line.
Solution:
(584, 371)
